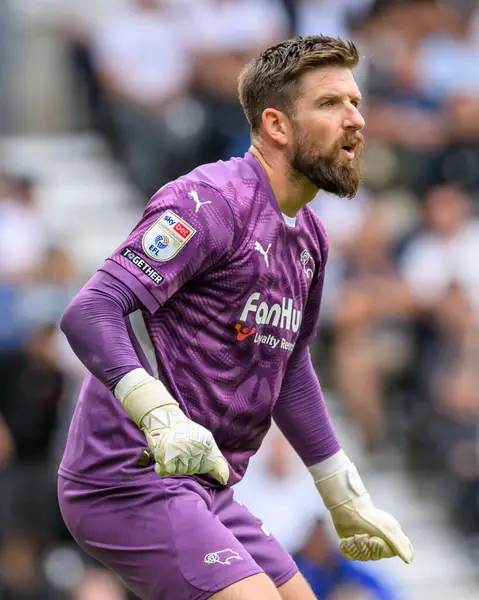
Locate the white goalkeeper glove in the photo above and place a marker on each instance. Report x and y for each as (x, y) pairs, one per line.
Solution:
(366, 533)
(179, 446)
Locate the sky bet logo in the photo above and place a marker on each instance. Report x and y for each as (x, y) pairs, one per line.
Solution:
(180, 229)
(169, 219)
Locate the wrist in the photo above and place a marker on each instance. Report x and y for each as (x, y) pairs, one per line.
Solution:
(129, 382)
(140, 394)
(337, 480)
(330, 466)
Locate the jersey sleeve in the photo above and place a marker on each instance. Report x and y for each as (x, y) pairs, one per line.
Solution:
(309, 324)
(185, 229)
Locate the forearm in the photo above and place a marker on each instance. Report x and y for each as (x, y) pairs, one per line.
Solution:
(95, 327)
(366, 533)
(301, 412)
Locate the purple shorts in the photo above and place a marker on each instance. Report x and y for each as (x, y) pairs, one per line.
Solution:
(172, 539)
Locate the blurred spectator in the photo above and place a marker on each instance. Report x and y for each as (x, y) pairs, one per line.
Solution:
(456, 400)
(275, 484)
(351, 593)
(329, 17)
(402, 111)
(343, 219)
(447, 69)
(142, 62)
(226, 35)
(447, 407)
(76, 23)
(22, 231)
(369, 328)
(331, 576)
(474, 28)
(423, 75)
(23, 239)
(13, 328)
(52, 286)
(438, 267)
(31, 391)
(140, 54)
(444, 251)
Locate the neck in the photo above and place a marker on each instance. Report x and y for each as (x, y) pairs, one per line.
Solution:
(291, 193)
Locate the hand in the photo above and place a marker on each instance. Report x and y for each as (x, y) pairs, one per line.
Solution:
(179, 446)
(366, 533)
(182, 447)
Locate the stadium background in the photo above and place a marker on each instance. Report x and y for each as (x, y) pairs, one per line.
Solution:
(101, 103)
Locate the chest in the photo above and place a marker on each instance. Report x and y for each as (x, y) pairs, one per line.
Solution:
(264, 286)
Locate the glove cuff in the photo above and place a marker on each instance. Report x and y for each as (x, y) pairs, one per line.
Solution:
(140, 393)
(129, 382)
(342, 485)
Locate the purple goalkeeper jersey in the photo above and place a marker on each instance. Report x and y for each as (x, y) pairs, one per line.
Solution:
(231, 287)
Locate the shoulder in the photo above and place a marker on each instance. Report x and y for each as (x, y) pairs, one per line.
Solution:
(193, 199)
(235, 179)
(231, 187)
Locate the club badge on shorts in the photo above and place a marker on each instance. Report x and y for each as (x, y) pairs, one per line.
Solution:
(165, 238)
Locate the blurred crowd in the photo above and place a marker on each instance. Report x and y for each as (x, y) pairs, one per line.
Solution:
(399, 339)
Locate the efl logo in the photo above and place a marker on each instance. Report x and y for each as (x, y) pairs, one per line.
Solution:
(165, 238)
(182, 230)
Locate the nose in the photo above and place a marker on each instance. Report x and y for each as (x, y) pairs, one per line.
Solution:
(354, 119)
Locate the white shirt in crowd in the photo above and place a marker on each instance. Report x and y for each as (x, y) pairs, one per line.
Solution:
(23, 238)
(432, 262)
(235, 25)
(146, 53)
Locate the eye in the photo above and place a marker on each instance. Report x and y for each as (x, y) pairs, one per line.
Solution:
(356, 103)
(327, 104)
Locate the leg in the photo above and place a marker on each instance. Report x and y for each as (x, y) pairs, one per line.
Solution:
(99, 583)
(297, 588)
(266, 551)
(160, 537)
(257, 587)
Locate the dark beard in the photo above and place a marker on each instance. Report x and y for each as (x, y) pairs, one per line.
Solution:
(333, 173)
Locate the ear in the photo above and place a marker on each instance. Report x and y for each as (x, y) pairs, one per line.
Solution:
(276, 126)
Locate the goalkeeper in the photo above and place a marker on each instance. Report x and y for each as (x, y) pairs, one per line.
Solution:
(196, 332)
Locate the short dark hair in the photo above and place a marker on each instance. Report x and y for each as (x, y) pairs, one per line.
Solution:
(273, 78)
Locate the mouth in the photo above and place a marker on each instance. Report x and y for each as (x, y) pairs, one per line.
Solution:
(349, 151)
